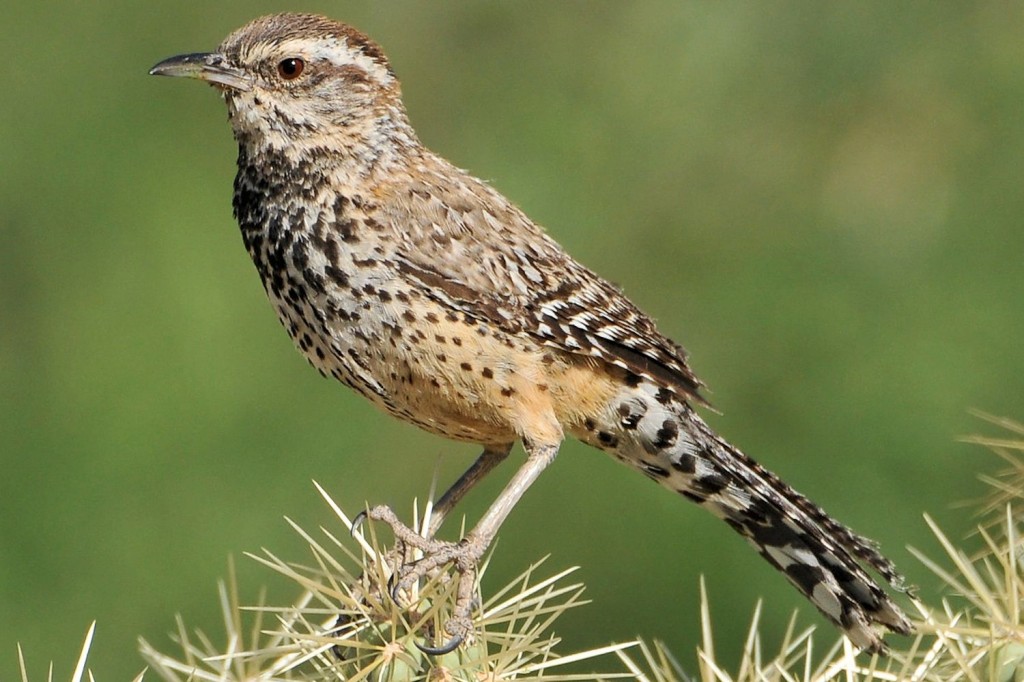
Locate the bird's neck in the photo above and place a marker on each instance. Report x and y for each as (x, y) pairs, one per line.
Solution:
(292, 183)
(358, 149)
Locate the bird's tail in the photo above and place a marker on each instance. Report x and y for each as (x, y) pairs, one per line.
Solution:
(821, 557)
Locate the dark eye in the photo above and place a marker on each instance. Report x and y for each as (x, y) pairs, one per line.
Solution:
(291, 68)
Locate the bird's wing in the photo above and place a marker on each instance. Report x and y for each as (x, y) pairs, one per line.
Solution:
(484, 257)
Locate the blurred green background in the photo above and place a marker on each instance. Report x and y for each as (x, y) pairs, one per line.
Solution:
(822, 202)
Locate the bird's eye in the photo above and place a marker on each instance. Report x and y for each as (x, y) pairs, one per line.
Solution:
(291, 68)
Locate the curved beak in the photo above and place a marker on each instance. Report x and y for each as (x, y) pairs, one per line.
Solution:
(205, 66)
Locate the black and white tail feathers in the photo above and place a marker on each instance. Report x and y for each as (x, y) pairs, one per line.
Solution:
(658, 434)
(817, 554)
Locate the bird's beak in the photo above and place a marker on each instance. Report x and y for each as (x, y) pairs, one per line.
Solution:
(206, 66)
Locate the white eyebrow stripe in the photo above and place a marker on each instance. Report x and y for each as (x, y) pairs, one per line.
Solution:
(337, 52)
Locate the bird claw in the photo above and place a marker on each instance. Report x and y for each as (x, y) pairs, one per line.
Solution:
(357, 522)
(446, 648)
(395, 587)
(463, 556)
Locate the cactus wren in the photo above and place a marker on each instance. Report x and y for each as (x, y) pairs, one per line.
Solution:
(436, 298)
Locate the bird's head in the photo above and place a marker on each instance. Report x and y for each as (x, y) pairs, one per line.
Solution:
(294, 81)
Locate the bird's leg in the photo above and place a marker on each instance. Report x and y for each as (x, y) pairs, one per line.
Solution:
(484, 464)
(490, 458)
(465, 554)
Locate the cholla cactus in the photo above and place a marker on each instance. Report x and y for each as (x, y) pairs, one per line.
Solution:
(345, 626)
(979, 630)
(80, 670)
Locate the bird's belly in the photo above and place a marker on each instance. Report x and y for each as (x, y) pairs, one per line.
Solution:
(454, 377)
(448, 376)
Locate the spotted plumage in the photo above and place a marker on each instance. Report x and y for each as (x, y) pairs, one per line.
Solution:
(436, 298)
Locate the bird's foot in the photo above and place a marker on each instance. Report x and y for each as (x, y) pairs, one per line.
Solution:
(434, 555)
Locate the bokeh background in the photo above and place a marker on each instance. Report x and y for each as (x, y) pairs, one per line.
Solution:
(821, 201)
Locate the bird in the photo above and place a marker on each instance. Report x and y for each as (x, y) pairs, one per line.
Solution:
(439, 300)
